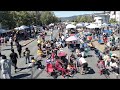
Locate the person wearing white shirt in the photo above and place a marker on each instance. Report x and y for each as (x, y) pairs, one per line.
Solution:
(62, 37)
(114, 66)
(113, 63)
(5, 67)
(83, 63)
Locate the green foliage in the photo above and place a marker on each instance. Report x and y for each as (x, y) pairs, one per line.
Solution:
(112, 21)
(12, 19)
(84, 19)
(48, 17)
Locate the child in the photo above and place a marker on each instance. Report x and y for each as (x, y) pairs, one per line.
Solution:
(71, 69)
(26, 53)
(39, 65)
(101, 65)
(39, 52)
(33, 62)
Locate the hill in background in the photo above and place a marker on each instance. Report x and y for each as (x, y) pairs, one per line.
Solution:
(72, 17)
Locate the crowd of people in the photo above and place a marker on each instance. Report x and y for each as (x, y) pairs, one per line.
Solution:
(58, 61)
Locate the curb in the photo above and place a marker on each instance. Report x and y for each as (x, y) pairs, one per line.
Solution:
(28, 43)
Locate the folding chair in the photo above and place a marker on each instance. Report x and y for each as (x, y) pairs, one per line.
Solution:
(49, 69)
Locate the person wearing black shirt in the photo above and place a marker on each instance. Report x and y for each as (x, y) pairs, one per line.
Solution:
(19, 49)
(65, 61)
(13, 57)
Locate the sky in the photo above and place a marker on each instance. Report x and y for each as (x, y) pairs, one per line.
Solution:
(72, 13)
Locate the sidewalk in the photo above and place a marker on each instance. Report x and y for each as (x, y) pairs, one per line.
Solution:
(26, 42)
(23, 43)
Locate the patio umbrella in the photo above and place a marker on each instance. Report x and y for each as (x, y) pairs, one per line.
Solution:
(62, 54)
(71, 38)
(69, 26)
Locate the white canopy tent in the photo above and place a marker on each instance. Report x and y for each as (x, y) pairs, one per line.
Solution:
(92, 26)
(2, 31)
(52, 24)
(17, 28)
(80, 25)
(86, 24)
(69, 26)
(23, 27)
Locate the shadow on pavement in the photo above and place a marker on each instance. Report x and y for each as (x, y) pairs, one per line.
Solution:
(31, 55)
(89, 55)
(20, 69)
(38, 74)
(10, 45)
(90, 71)
(20, 76)
(6, 49)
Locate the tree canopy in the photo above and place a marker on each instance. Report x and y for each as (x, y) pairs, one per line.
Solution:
(48, 17)
(11, 19)
(112, 21)
(84, 19)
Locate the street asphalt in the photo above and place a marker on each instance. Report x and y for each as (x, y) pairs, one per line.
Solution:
(27, 73)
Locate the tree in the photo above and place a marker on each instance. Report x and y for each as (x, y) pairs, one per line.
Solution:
(48, 17)
(84, 19)
(6, 19)
(12, 19)
(112, 21)
(89, 19)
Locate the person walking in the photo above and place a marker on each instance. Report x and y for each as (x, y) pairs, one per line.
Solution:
(19, 49)
(6, 40)
(5, 66)
(2, 41)
(11, 42)
(13, 57)
(27, 55)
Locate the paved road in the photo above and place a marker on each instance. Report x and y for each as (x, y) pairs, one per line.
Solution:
(41, 74)
(22, 71)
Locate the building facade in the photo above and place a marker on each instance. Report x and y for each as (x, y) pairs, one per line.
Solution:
(115, 15)
(101, 18)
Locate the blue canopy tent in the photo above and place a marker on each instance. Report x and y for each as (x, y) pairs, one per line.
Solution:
(2, 31)
(109, 32)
